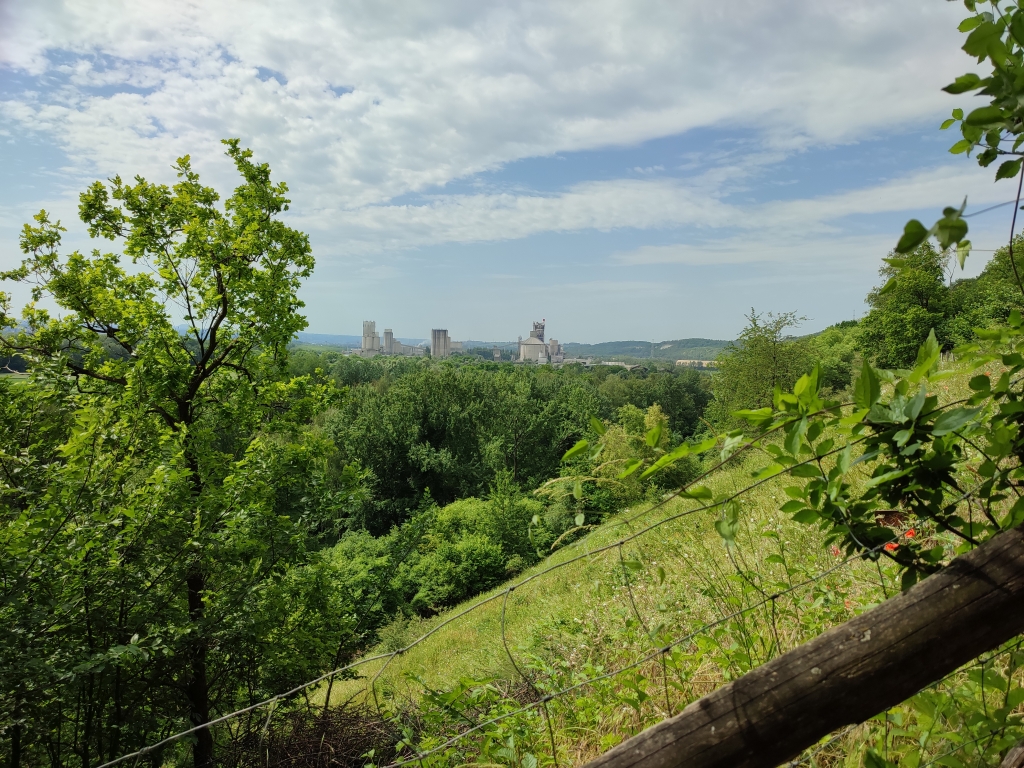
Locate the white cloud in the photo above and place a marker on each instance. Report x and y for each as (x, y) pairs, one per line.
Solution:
(442, 91)
(694, 206)
(600, 206)
(369, 110)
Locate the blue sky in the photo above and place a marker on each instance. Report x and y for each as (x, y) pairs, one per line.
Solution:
(626, 169)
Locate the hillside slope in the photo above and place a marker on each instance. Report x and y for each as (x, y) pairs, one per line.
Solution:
(654, 577)
(575, 622)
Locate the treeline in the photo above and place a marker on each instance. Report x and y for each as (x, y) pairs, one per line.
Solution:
(919, 292)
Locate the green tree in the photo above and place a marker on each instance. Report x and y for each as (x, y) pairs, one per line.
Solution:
(835, 350)
(913, 301)
(763, 358)
(163, 502)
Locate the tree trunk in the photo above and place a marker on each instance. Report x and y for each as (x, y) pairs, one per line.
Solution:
(198, 689)
(16, 744)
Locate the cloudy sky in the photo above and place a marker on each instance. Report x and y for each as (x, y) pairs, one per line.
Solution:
(627, 169)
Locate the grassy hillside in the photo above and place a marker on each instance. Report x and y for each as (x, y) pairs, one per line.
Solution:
(680, 349)
(671, 582)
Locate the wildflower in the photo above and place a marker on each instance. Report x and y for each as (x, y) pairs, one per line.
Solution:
(910, 533)
(891, 546)
(848, 604)
(835, 551)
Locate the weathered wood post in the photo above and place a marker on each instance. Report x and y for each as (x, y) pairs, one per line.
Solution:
(847, 674)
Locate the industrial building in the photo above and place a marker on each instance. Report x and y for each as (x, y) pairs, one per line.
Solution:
(535, 350)
(372, 344)
(441, 346)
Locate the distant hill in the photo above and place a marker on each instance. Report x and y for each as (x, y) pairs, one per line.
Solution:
(679, 349)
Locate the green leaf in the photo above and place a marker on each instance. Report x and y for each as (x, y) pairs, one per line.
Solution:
(757, 418)
(970, 23)
(577, 490)
(963, 250)
(874, 760)
(728, 524)
(1008, 170)
(806, 516)
(664, 461)
(795, 436)
(1015, 318)
(963, 84)
(704, 445)
(580, 518)
(946, 123)
(960, 147)
(631, 466)
(597, 425)
(913, 407)
(661, 575)
(914, 234)
(980, 383)
(949, 230)
(843, 462)
(978, 42)
(983, 116)
(770, 471)
(577, 449)
(886, 477)
(792, 506)
(868, 388)
(698, 492)
(654, 435)
(633, 565)
(927, 358)
(950, 421)
(805, 470)
(958, 113)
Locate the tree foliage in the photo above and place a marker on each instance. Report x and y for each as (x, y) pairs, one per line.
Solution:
(762, 359)
(146, 573)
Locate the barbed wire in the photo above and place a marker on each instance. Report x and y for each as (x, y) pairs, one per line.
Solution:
(679, 493)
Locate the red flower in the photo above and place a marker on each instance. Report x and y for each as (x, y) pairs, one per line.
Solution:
(910, 533)
(835, 551)
(891, 546)
(848, 604)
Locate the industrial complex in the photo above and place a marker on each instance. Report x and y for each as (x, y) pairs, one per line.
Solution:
(533, 349)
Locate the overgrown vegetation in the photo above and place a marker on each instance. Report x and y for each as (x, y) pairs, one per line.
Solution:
(196, 522)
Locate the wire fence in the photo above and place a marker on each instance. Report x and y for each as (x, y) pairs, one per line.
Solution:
(654, 654)
(542, 698)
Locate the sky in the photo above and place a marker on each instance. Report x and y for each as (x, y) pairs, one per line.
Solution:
(625, 169)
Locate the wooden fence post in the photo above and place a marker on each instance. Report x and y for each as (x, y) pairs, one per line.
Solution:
(847, 674)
